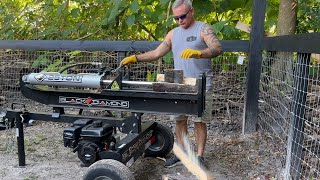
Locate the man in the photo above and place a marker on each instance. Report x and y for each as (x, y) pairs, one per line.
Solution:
(193, 44)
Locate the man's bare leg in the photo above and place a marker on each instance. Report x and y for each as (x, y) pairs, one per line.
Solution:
(201, 137)
(181, 130)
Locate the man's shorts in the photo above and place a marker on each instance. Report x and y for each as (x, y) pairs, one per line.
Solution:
(207, 114)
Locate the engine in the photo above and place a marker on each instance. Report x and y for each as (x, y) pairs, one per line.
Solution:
(88, 138)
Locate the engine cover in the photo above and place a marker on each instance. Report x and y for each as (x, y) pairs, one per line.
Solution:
(71, 134)
(96, 132)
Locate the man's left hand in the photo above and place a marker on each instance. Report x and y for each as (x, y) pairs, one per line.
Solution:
(190, 53)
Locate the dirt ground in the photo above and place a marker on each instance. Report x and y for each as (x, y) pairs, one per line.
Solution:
(229, 155)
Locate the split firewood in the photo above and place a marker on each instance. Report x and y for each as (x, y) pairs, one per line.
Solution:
(173, 81)
(160, 77)
(168, 75)
(187, 81)
(173, 87)
(173, 76)
(178, 76)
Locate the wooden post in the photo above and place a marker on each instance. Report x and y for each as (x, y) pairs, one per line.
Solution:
(250, 117)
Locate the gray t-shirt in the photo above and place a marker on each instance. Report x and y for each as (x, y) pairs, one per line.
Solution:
(190, 38)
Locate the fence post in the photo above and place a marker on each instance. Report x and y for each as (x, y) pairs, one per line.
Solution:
(250, 117)
(296, 137)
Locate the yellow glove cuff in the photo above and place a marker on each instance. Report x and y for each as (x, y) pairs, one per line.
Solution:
(190, 53)
(129, 60)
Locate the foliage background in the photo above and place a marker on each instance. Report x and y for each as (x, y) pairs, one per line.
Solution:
(133, 19)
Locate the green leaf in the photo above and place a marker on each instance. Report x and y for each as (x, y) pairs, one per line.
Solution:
(55, 66)
(135, 6)
(217, 27)
(313, 71)
(60, 10)
(148, 75)
(115, 10)
(44, 61)
(161, 17)
(130, 20)
(233, 4)
(154, 76)
(151, 77)
(164, 2)
(146, 10)
(225, 67)
(75, 12)
(228, 30)
(104, 23)
(73, 54)
(112, 15)
(66, 34)
(35, 64)
(8, 18)
(155, 15)
(169, 23)
(168, 58)
(41, 60)
(2, 10)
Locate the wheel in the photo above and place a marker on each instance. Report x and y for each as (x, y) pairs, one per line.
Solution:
(4, 122)
(163, 144)
(2, 116)
(108, 169)
(2, 126)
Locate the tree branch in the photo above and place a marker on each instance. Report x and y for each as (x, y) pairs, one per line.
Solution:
(88, 35)
(168, 15)
(148, 31)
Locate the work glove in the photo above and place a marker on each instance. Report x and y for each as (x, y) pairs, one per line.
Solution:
(128, 60)
(190, 53)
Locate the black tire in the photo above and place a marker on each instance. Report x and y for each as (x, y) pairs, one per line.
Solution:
(2, 116)
(163, 144)
(108, 169)
(2, 126)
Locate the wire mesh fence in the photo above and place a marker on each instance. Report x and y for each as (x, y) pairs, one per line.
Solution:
(229, 74)
(229, 85)
(289, 110)
(288, 94)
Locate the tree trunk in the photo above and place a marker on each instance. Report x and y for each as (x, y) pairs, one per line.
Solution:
(282, 63)
(287, 18)
(287, 22)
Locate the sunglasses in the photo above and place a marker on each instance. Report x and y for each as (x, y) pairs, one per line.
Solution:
(182, 17)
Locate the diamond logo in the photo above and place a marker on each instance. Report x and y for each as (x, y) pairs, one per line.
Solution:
(88, 101)
(40, 77)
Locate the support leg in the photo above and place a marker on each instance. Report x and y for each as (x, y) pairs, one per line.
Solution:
(20, 141)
